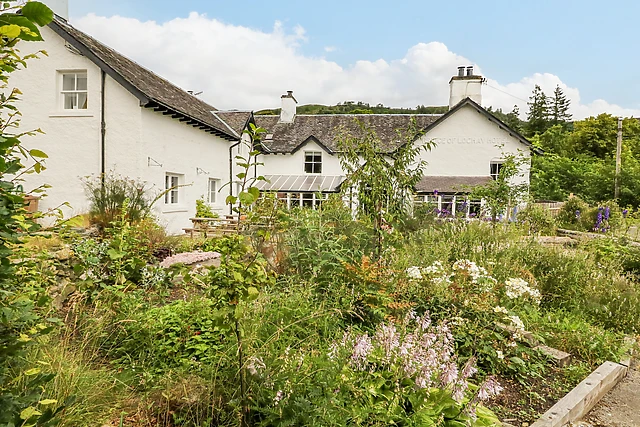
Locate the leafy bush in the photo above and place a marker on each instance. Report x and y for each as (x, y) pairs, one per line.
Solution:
(108, 193)
(203, 210)
(536, 220)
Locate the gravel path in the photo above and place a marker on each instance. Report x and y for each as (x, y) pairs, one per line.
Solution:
(620, 407)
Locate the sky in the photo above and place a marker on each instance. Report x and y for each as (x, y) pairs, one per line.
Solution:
(245, 54)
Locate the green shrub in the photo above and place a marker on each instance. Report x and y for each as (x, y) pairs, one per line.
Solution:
(203, 210)
(536, 220)
(107, 195)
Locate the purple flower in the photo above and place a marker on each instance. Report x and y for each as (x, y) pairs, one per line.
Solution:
(625, 212)
(490, 388)
(435, 192)
(607, 212)
(578, 214)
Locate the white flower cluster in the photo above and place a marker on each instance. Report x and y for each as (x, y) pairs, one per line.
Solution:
(436, 272)
(469, 268)
(515, 288)
(414, 273)
(498, 309)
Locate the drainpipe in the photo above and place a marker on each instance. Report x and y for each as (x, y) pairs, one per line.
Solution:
(231, 147)
(103, 129)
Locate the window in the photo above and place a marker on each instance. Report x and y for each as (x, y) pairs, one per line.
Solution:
(212, 191)
(495, 169)
(74, 91)
(171, 186)
(313, 162)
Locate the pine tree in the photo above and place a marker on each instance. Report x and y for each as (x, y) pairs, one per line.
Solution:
(512, 119)
(560, 108)
(538, 116)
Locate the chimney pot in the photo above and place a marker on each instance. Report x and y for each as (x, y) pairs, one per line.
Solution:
(470, 70)
(461, 71)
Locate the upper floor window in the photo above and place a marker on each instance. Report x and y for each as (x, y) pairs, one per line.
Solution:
(495, 169)
(313, 162)
(74, 91)
(171, 183)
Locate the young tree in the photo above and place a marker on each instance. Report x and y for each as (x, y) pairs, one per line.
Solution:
(20, 325)
(504, 193)
(538, 115)
(383, 181)
(560, 108)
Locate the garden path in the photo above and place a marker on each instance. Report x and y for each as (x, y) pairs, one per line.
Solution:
(620, 407)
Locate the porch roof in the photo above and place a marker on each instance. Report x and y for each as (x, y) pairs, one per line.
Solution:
(450, 184)
(301, 183)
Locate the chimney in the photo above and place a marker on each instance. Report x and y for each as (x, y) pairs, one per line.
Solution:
(465, 86)
(288, 109)
(59, 7)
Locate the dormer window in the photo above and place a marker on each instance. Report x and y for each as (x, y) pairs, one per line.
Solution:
(313, 162)
(74, 91)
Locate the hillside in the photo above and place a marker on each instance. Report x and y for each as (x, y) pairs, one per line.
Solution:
(351, 107)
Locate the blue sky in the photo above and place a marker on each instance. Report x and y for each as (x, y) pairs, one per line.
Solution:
(592, 46)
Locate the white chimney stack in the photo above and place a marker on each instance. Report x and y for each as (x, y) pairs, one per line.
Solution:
(288, 109)
(59, 7)
(465, 85)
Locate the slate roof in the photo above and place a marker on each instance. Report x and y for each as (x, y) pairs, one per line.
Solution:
(152, 90)
(326, 129)
(236, 120)
(450, 184)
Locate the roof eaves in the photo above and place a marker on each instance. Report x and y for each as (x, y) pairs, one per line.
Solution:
(226, 125)
(183, 117)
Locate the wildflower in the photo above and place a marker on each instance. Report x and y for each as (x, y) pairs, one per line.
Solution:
(499, 309)
(500, 354)
(607, 213)
(516, 287)
(625, 212)
(255, 365)
(361, 349)
(489, 388)
(517, 323)
(414, 273)
(578, 214)
(278, 397)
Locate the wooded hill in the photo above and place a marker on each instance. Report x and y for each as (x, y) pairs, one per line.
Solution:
(351, 107)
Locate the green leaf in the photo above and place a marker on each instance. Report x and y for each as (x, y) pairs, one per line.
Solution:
(48, 402)
(29, 412)
(38, 153)
(30, 372)
(10, 31)
(246, 198)
(231, 200)
(37, 12)
(254, 192)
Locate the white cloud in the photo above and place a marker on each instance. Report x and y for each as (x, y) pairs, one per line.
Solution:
(245, 68)
(330, 48)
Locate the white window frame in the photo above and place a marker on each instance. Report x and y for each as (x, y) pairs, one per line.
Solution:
(498, 164)
(172, 180)
(212, 193)
(314, 162)
(64, 93)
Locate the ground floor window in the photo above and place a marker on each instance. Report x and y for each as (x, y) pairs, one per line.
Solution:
(306, 200)
(450, 205)
(171, 183)
(212, 190)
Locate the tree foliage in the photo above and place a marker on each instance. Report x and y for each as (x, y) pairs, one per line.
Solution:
(383, 182)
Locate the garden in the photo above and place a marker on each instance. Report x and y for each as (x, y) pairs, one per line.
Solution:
(389, 316)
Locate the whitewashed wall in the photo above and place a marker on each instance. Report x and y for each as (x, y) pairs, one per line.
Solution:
(72, 138)
(134, 134)
(466, 144)
(293, 164)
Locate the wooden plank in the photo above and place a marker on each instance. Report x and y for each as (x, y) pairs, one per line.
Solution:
(579, 401)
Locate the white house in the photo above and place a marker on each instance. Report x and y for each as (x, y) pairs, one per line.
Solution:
(301, 156)
(102, 112)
